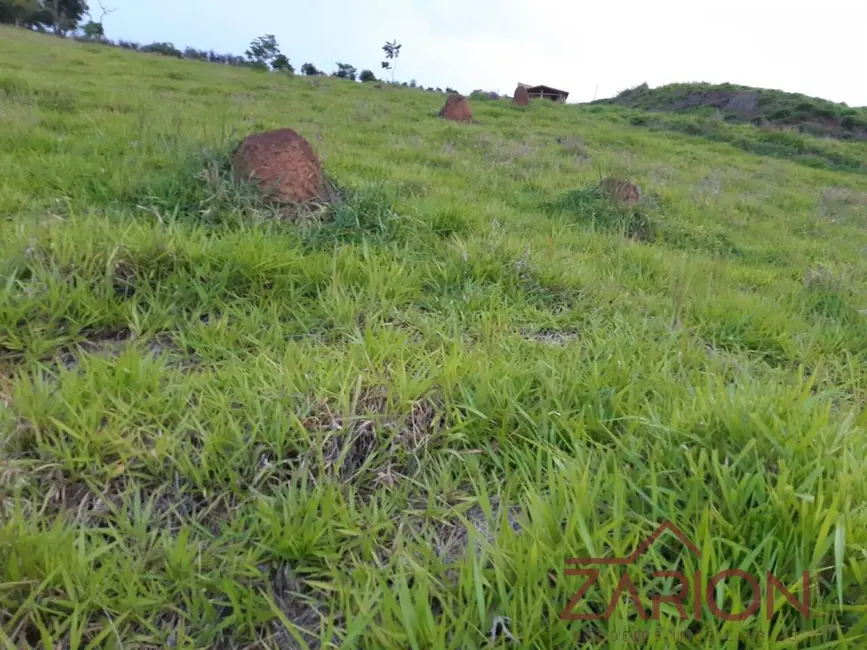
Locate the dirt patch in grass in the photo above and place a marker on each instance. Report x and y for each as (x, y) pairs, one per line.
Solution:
(107, 343)
(370, 447)
(111, 343)
(301, 606)
(551, 337)
(124, 504)
(453, 537)
(843, 205)
(450, 537)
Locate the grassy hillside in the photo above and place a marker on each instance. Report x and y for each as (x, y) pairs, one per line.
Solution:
(390, 428)
(806, 130)
(746, 104)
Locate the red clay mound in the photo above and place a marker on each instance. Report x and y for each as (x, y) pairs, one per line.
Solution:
(457, 108)
(281, 163)
(522, 97)
(622, 192)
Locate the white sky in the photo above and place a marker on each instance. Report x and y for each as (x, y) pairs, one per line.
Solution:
(818, 50)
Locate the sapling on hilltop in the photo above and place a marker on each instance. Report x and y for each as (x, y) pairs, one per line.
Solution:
(392, 51)
(94, 29)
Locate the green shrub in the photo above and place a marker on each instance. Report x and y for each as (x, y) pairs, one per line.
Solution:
(596, 210)
(853, 122)
(786, 139)
(166, 49)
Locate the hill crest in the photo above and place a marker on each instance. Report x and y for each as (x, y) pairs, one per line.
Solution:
(759, 106)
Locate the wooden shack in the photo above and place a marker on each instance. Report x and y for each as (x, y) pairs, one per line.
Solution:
(546, 92)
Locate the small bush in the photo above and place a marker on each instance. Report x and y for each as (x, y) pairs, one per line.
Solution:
(790, 141)
(367, 75)
(829, 293)
(281, 63)
(853, 122)
(597, 210)
(484, 95)
(345, 71)
(193, 53)
(166, 49)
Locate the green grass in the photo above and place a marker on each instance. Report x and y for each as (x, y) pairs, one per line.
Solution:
(786, 143)
(389, 428)
(813, 132)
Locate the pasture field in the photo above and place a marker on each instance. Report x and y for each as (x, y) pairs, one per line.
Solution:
(390, 425)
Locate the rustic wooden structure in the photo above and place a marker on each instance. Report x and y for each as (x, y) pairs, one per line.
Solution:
(546, 92)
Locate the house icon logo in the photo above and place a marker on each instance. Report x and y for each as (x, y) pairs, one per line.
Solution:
(642, 548)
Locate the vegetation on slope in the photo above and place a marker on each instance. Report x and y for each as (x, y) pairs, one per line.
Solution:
(810, 131)
(391, 428)
(756, 105)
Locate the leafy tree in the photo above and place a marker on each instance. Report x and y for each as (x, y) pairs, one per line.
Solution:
(345, 71)
(367, 75)
(263, 50)
(93, 30)
(392, 51)
(62, 16)
(309, 69)
(19, 12)
(281, 62)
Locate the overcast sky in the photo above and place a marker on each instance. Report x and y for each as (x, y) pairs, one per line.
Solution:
(576, 45)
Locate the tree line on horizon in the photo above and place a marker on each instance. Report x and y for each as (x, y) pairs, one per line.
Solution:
(73, 18)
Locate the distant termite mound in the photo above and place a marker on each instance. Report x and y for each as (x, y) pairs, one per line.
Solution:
(522, 97)
(457, 108)
(619, 191)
